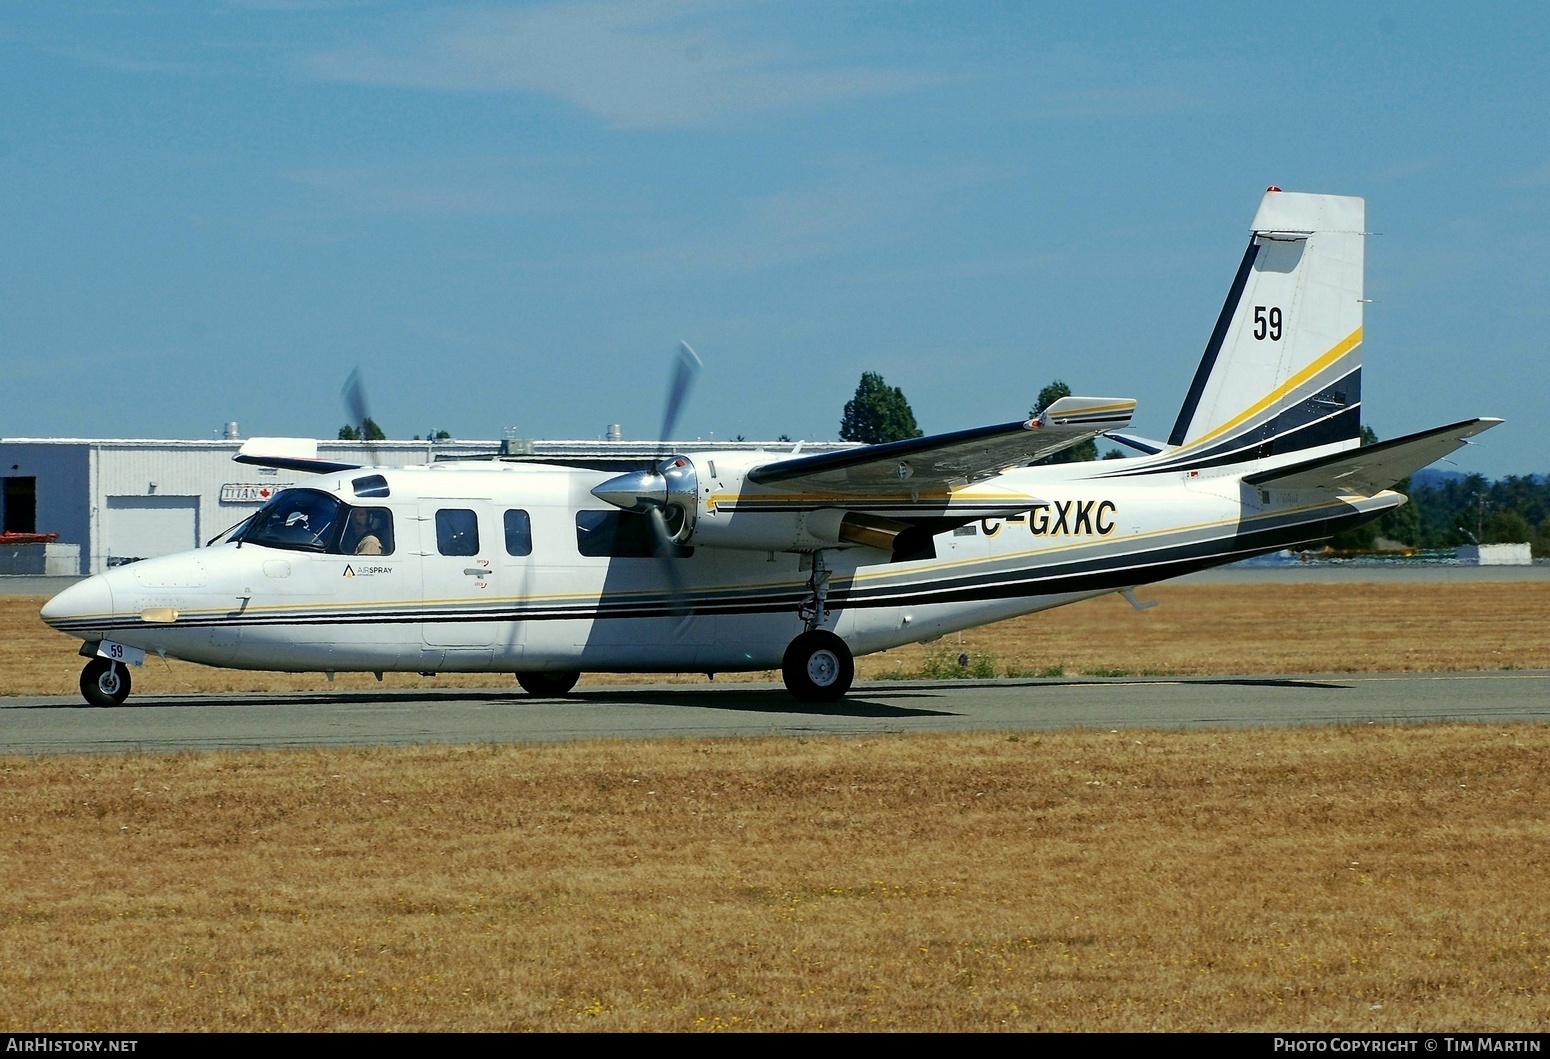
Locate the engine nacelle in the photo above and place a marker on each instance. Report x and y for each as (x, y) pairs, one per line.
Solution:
(671, 487)
(706, 502)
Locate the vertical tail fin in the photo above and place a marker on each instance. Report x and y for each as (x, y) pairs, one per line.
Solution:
(1283, 369)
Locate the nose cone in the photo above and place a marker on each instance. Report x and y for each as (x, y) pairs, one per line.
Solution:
(80, 606)
(634, 491)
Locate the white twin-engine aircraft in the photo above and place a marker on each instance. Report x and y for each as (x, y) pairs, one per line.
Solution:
(725, 561)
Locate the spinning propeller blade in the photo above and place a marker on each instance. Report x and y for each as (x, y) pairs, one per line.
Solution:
(677, 595)
(670, 482)
(354, 394)
(686, 365)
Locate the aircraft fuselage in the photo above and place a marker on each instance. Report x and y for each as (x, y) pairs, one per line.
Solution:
(528, 585)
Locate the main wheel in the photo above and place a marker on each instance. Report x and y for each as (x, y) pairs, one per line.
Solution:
(818, 667)
(105, 682)
(548, 685)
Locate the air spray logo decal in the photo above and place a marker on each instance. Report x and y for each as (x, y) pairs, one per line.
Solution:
(351, 570)
(1064, 518)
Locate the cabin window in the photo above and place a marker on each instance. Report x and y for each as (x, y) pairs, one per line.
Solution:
(619, 535)
(457, 532)
(298, 520)
(373, 485)
(519, 533)
(367, 531)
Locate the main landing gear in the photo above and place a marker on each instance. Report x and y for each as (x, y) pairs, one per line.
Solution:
(105, 682)
(818, 667)
(548, 685)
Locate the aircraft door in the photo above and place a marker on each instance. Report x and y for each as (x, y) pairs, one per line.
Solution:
(461, 572)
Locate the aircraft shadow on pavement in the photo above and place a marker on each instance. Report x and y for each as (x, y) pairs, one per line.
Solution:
(1246, 682)
(728, 697)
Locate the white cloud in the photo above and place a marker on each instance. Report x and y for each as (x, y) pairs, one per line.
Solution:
(645, 64)
(466, 187)
(1116, 103)
(857, 207)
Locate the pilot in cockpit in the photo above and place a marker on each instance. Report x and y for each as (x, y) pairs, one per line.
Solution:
(363, 534)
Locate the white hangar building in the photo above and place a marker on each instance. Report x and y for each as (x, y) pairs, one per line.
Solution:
(123, 500)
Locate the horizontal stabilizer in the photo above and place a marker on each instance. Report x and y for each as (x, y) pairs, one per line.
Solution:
(945, 461)
(1135, 441)
(1372, 468)
(288, 454)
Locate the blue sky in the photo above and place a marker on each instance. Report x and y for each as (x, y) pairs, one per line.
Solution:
(508, 215)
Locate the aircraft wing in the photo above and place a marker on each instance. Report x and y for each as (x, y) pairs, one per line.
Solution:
(288, 454)
(943, 461)
(1375, 467)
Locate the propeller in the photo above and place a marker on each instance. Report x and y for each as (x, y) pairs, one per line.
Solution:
(354, 394)
(651, 491)
(686, 366)
(677, 595)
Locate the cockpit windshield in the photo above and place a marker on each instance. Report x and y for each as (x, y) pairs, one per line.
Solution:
(307, 520)
(297, 519)
(230, 533)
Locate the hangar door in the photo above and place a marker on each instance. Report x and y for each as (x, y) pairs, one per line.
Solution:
(143, 527)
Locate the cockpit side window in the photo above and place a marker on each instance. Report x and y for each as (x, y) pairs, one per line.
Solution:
(298, 520)
(367, 531)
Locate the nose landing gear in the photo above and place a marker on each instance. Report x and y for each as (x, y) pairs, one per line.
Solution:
(105, 682)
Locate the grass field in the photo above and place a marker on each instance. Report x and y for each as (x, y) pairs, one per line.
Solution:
(1326, 878)
(1331, 878)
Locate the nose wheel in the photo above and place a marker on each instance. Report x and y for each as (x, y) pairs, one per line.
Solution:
(818, 667)
(105, 682)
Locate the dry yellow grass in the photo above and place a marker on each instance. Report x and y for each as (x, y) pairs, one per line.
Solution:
(1336, 879)
(1198, 629)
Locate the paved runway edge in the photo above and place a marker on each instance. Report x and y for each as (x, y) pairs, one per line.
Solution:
(58, 725)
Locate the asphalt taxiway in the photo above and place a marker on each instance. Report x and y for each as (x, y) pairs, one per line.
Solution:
(55, 725)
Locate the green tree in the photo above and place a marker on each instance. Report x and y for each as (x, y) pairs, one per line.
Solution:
(1541, 540)
(1087, 450)
(350, 432)
(1508, 527)
(1402, 525)
(877, 413)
